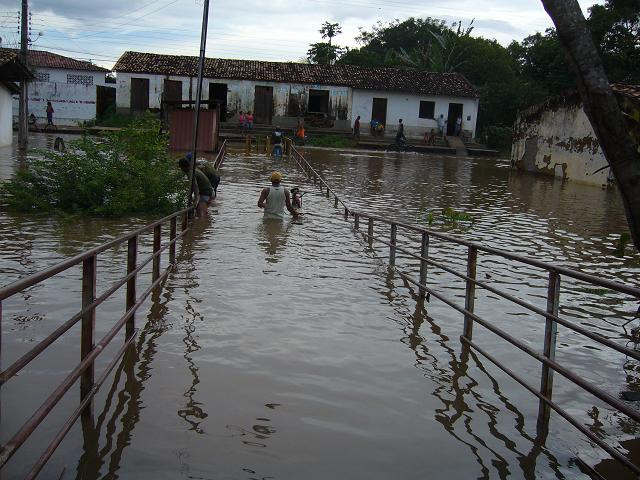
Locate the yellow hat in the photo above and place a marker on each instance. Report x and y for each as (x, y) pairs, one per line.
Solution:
(276, 177)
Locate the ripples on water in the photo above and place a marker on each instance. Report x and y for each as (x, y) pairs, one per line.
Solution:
(288, 351)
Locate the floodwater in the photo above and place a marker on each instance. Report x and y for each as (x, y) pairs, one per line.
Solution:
(288, 350)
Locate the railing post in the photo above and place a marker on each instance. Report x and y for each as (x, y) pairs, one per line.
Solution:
(156, 248)
(392, 247)
(424, 253)
(550, 332)
(356, 221)
(335, 201)
(88, 325)
(267, 145)
(346, 213)
(248, 143)
(172, 237)
(327, 192)
(185, 221)
(470, 292)
(132, 261)
(370, 232)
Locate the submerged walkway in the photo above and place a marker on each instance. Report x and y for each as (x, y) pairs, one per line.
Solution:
(288, 351)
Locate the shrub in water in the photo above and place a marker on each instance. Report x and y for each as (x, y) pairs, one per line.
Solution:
(129, 171)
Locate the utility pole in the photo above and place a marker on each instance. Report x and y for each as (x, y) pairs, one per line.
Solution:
(23, 131)
(203, 45)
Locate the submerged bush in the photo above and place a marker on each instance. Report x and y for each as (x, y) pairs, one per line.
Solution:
(330, 141)
(129, 171)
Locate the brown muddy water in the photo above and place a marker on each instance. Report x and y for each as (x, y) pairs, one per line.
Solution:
(288, 351)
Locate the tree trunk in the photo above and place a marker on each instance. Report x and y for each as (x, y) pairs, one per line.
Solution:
(600, 105)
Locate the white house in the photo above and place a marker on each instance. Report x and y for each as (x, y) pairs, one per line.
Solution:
(11, 70)
(70, 85)
(555, 138)
(280, 93)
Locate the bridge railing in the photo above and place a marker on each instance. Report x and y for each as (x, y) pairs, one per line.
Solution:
(547, 359)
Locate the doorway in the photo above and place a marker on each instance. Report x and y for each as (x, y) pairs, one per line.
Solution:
(263, 105)
(455, 111)
(139, 95)
(318, 101)
(218, 93)
(105, 100)
(379, 110)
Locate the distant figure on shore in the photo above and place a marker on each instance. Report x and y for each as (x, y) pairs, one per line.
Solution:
(400, 138)
(275, 198)
(50, 112)
(276, 141)
(241, 120)
(356, 128)
(458, 125)
(373, 126)
(441, 125)
(430, 137)
(249, 120)
(58, 145)
(300, 132)
(204, 188)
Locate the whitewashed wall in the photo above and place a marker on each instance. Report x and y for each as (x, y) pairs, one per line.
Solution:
(559, 142)
(407, 107)
(6, 124)
(72, 103)
(240, 96)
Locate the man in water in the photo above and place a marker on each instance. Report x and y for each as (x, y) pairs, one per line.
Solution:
(276, 141)
(275, 198)
(205, 189)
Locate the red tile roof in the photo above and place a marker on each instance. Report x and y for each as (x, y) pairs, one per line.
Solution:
(40, 58)
(627, 90)
(391, 79)
(11, 67)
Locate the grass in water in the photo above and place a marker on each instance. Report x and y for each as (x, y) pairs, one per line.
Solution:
(330, 141)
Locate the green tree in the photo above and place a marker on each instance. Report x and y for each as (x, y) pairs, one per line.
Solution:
(326, 53)
(330, 30)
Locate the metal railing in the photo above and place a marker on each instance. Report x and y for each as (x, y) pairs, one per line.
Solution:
(89, 349)
(552, 319)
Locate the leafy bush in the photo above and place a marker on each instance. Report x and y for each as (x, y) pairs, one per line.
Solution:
(112, 119)
(497, 137)
(129, 171)
(330, 141)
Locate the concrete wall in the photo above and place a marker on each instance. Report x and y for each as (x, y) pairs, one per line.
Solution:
(72, 103)
(407, 107)
(556, 139)
(6, 130)
(290, 100)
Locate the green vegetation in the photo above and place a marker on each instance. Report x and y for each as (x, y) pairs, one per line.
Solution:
(330, 141)
(507, 79)
(112, 119)
(449, 217)
(622, 244)
(129, 171)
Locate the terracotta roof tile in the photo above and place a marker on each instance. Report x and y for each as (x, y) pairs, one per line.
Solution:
(392, 79)
(627, 90)
(40, 58)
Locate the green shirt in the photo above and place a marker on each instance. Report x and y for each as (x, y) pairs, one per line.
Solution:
(204, 185)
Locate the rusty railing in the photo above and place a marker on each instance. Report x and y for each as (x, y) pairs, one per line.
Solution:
(549, 366)
(217, 163)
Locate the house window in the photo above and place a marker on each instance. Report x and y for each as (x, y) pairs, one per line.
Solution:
(427, 109)
(42, 76)
(80, 79)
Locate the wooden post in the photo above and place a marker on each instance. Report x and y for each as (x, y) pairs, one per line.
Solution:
(346, 213)
(356, 221)
(424, 253)
(132, 261)
(370, 232)
(88, 325)
(550, 332)
(267, 145)
(470, 294)
(327, 192)
(172, 237)
(156, 247)
(392, 248)
(335, 201)
(248, 143)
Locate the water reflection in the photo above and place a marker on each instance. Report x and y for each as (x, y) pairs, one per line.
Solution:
(272, 236)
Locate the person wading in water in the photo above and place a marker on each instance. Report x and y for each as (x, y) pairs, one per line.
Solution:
(275, 198)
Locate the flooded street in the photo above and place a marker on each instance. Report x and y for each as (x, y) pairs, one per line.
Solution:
(289, 350)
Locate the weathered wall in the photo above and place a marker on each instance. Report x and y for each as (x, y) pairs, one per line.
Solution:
(407, 107)
(72, 103)
(6, 131)
(556, 139)
(290, 100)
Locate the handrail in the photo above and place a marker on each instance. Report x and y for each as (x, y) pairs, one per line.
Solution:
(90, 301)
(551, 316)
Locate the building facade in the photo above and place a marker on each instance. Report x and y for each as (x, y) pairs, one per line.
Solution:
(555, 138)
(283, 93)
(72, 86)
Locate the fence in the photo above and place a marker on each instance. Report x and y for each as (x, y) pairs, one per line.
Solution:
(89, 349)
(544, 392)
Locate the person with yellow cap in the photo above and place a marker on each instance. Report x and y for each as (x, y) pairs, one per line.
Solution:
(275, 198)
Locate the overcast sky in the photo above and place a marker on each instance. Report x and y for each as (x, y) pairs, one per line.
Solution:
(278, 30)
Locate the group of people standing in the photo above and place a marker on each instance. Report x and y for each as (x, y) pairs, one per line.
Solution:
(377, 129)
(245, 121)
